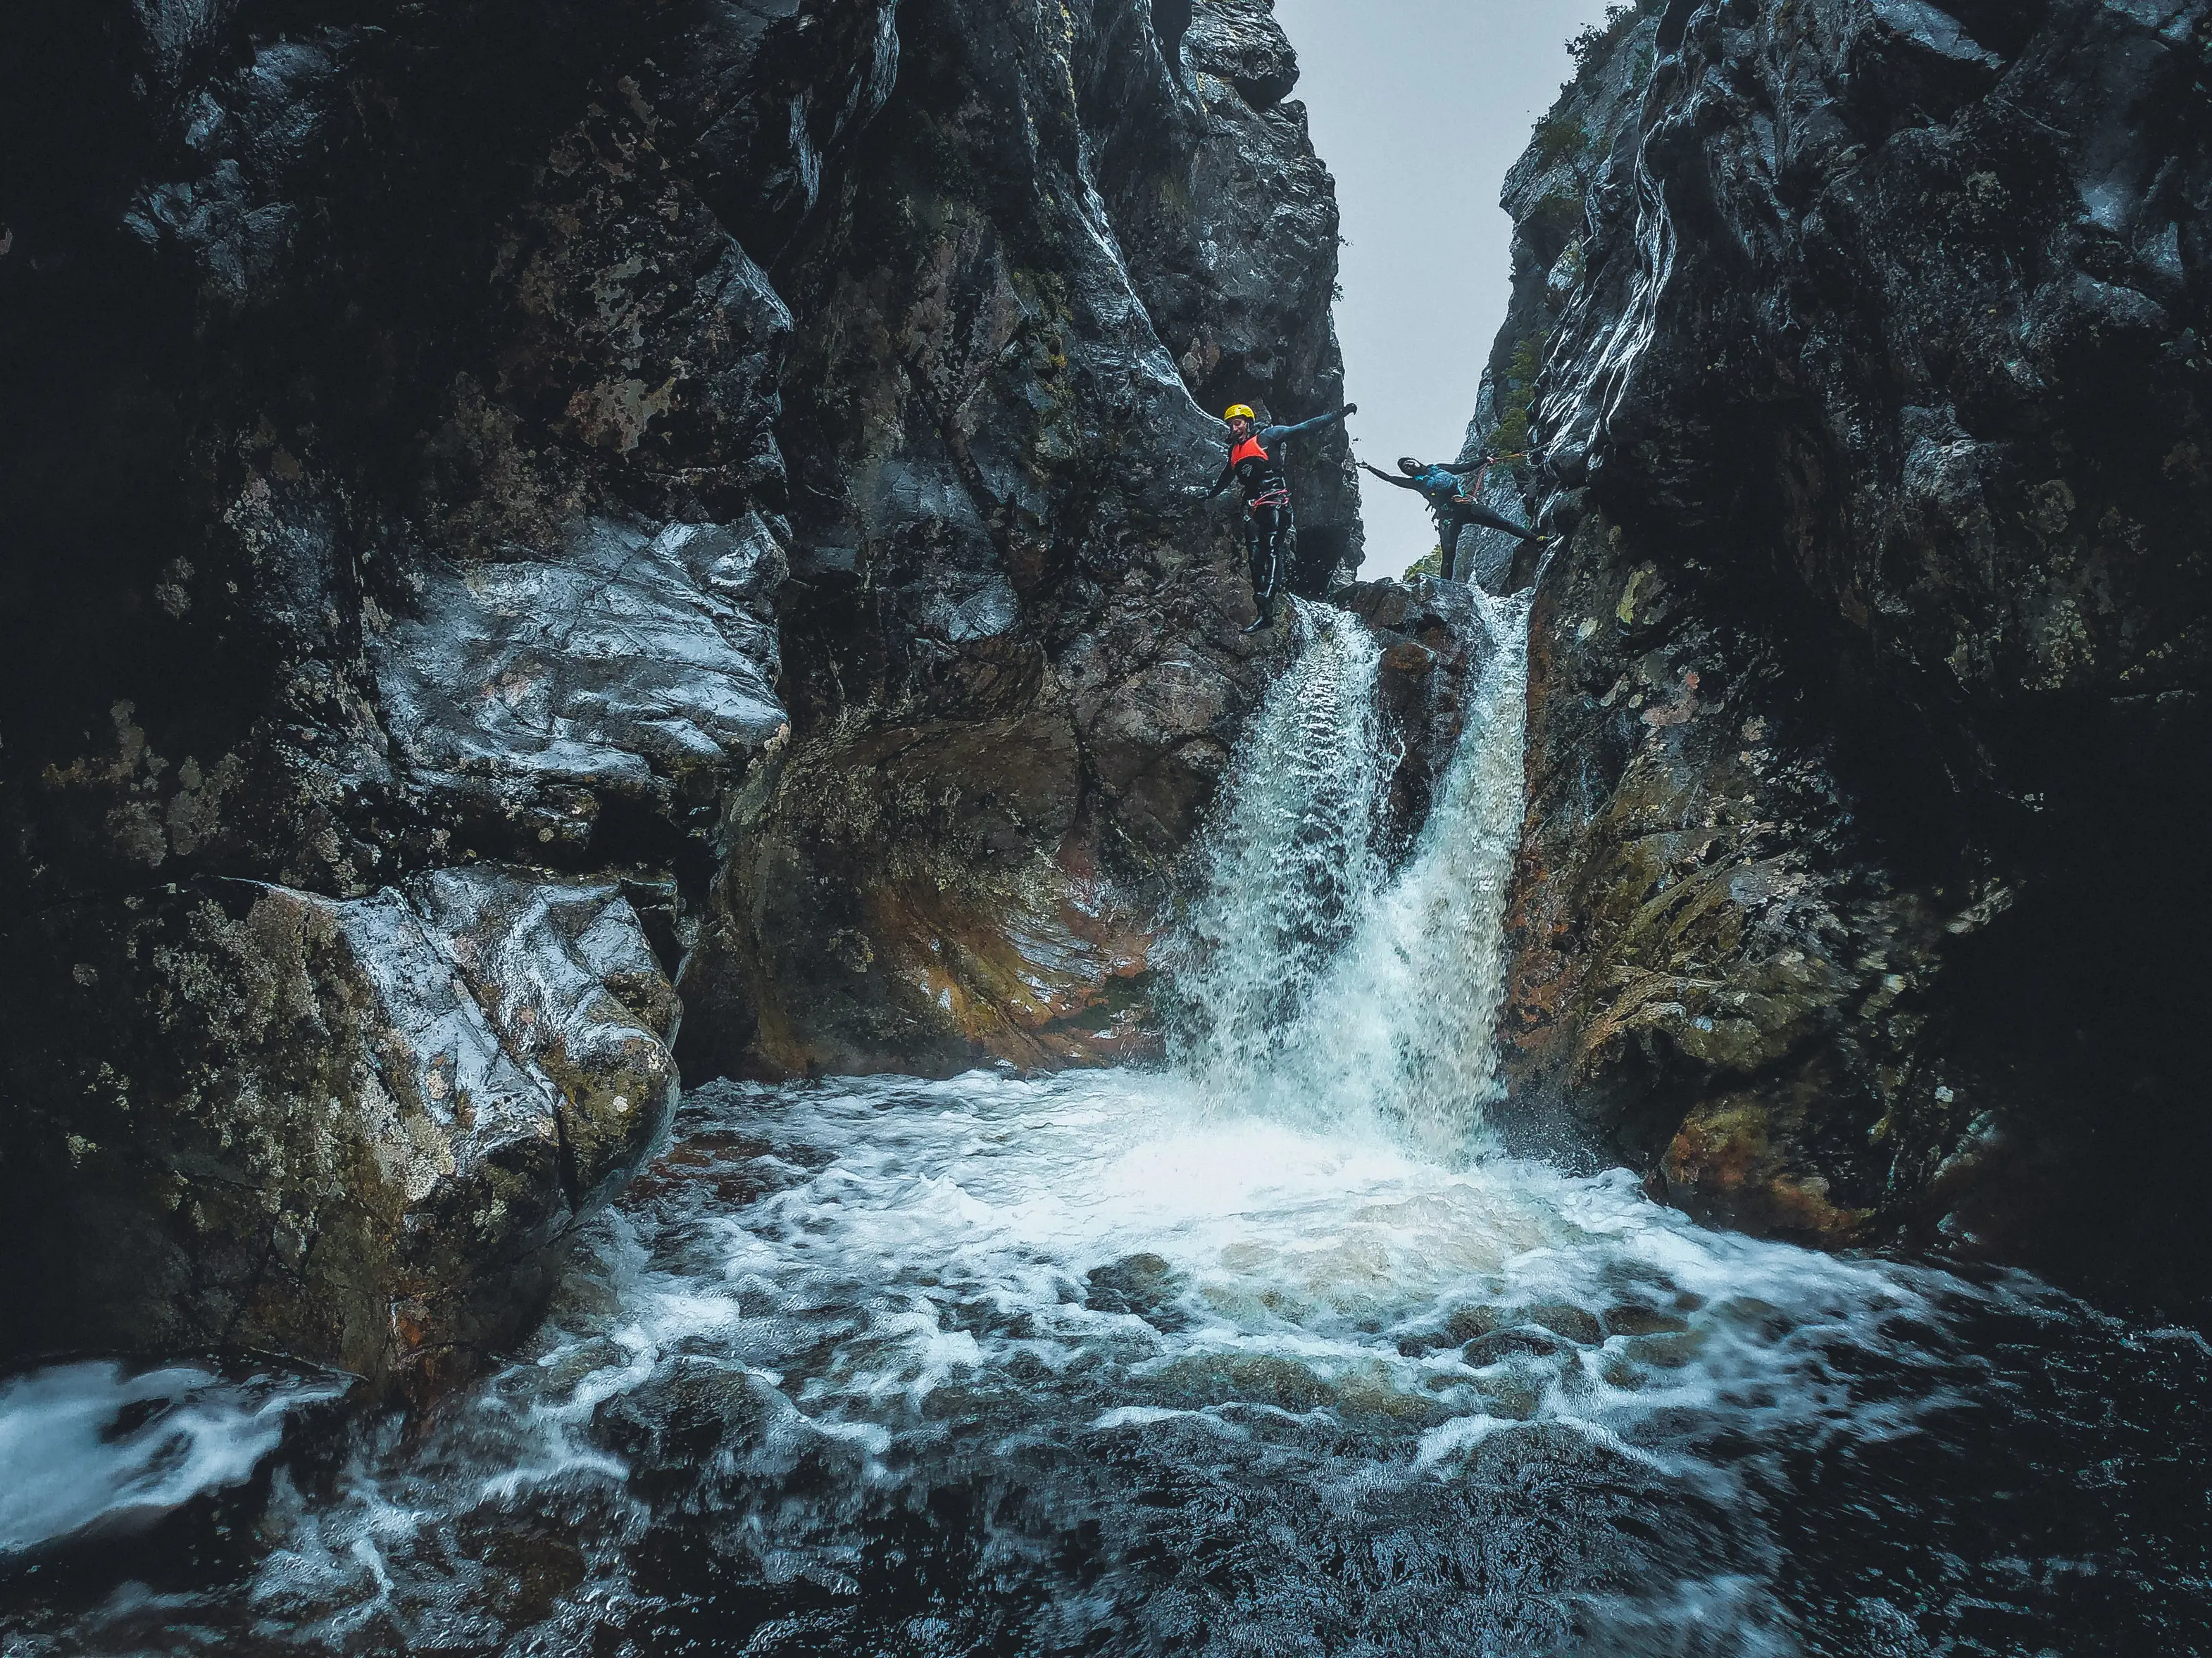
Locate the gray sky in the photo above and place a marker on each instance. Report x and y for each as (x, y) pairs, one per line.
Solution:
(1447, 91)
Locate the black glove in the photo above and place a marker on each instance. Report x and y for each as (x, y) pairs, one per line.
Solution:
(1349, 408)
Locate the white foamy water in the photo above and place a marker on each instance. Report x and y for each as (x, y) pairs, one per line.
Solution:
(992, 1235)
(1307, 979)
(93, 1446)
(1406, 1023)
(836, 1304)
(1289, 866)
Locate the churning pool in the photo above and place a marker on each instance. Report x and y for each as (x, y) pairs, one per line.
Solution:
(1261, 1354)
(1085, 1364)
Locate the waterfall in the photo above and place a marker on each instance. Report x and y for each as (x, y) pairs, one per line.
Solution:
(1309, 978)
(1289, 865)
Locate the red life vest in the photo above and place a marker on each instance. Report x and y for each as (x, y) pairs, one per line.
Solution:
(1260, 473)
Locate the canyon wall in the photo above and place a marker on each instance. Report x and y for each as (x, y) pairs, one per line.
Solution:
(550, 543)
(1863, 346)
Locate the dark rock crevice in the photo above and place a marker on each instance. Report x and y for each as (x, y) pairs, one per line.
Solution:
(1171, 21)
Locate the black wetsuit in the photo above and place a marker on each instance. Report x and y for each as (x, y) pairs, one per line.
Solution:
(1255, 465)
(1441, 486)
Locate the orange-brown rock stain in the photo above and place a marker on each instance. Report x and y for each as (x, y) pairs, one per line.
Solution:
(1730, 1162)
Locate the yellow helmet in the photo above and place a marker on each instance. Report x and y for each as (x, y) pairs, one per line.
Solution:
(1240, 411)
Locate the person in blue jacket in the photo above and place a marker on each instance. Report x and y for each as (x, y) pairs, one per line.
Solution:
(1454, 503)
(1255, 465)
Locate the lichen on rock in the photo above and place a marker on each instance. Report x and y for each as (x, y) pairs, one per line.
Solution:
(345, 1128)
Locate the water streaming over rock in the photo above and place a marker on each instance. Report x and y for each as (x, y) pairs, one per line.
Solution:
(1259, 1354)
(1288, 869)
(1308, 980)
(95, 1449)
(1412, 1004)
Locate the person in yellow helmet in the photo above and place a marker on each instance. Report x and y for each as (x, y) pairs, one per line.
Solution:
(1255, 465)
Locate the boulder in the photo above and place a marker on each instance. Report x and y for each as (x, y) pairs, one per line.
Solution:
(354, 1130)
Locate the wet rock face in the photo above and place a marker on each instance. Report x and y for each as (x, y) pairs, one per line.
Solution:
(1012, 656)
(711, 466)
(1858, 892)
(342, 1127)
(1545, 192)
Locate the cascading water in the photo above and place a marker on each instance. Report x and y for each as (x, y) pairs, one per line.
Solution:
(1412, 1005)
(1289, 867)
(1305, 980)
(1251, 1356)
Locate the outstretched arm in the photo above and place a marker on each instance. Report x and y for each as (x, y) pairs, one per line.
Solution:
(1392, 477)
(1221, 483)
(1276, 433)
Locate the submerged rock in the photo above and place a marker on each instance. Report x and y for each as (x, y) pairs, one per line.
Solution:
(1864, 363)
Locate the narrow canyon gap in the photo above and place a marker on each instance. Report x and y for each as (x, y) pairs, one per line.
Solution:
(672, 982)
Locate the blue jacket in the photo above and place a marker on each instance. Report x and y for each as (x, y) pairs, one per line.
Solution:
(1438, 485)
(1445, 491)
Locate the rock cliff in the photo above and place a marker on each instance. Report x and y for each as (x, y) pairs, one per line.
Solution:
(1863, 346)
(527, 519)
